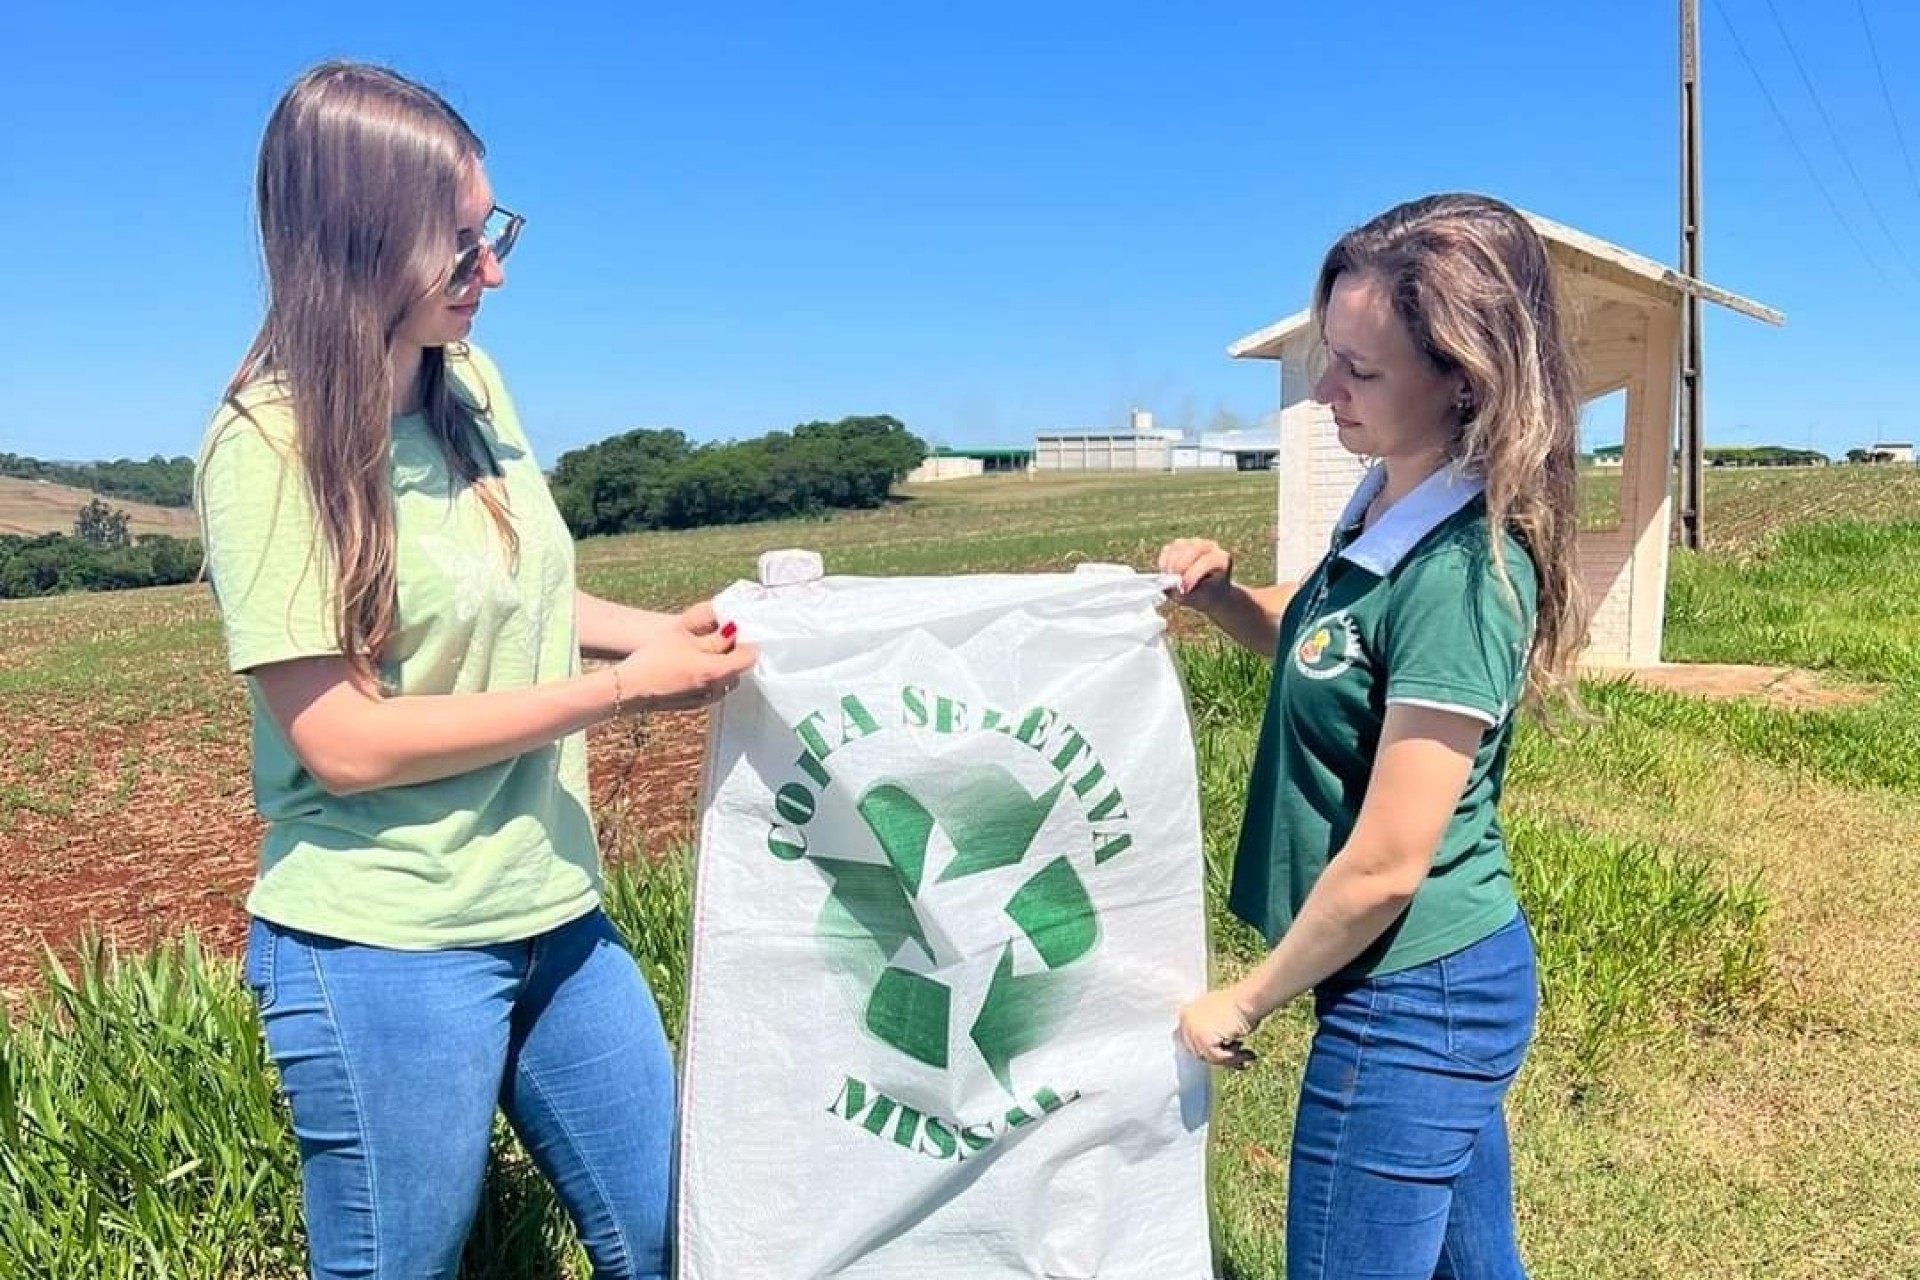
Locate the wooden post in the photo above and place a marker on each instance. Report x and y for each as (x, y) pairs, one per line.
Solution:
(1692, 446)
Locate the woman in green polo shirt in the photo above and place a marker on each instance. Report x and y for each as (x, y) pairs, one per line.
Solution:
(1371, 857)
(398, 588)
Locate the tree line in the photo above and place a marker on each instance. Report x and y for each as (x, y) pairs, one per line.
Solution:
(99, 555)
(658, 479)
(647, 479)
(159, 482)
(1765, 455)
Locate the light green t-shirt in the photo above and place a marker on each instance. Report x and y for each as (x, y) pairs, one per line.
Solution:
(1410, 611)
(494, 855)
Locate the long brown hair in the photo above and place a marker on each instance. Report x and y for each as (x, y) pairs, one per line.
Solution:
(359, 175)
(1471, 280)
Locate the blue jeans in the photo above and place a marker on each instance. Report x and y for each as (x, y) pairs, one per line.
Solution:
(394, 1062)
(1400, 1165)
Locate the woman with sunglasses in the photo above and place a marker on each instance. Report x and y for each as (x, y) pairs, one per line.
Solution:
(398, 588)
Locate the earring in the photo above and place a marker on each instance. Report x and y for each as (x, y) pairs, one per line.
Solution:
(1463, 403)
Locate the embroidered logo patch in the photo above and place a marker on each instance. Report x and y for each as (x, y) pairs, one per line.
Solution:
(1327, 648)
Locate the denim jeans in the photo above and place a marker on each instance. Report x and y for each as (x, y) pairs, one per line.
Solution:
(1400, 1164)
(394, 1062)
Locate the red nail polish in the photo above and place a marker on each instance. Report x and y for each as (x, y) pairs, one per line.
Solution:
(726, 632)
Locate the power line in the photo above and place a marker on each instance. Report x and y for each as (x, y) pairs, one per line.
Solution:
(1798, 150)
(1838, 145)
(1880, 71)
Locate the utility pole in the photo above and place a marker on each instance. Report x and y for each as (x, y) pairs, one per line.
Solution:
(1692, 446)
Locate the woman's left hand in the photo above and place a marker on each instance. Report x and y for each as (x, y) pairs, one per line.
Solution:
(1214, 1029)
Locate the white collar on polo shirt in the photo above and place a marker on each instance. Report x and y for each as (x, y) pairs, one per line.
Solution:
(1384, 544)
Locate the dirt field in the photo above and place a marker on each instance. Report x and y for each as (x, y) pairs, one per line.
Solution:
(160, 834)
(28, 506)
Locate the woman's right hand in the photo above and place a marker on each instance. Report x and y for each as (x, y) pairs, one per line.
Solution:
(677, 670)
(1205, 569)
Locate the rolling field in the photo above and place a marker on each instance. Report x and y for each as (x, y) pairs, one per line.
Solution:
(29, 507)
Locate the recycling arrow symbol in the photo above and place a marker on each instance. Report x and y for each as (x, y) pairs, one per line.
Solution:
(991, 822)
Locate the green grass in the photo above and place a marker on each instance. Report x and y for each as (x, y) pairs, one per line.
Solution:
(1842, 598)
(141, 1134)
(1722, 894)
(1600, 497)
(1778, 603)
(989, 525)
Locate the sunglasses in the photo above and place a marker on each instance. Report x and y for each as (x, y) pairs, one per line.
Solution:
(496, 237)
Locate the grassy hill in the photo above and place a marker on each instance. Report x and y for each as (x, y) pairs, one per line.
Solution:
(32, 506)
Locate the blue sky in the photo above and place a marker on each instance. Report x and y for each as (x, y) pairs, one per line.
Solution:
(987, 219)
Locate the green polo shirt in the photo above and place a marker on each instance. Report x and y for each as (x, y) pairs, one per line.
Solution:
(493, 855)
(1409, 611)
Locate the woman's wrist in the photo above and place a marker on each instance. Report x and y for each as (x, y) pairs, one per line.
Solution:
(608, 696)
(1250, 1001)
